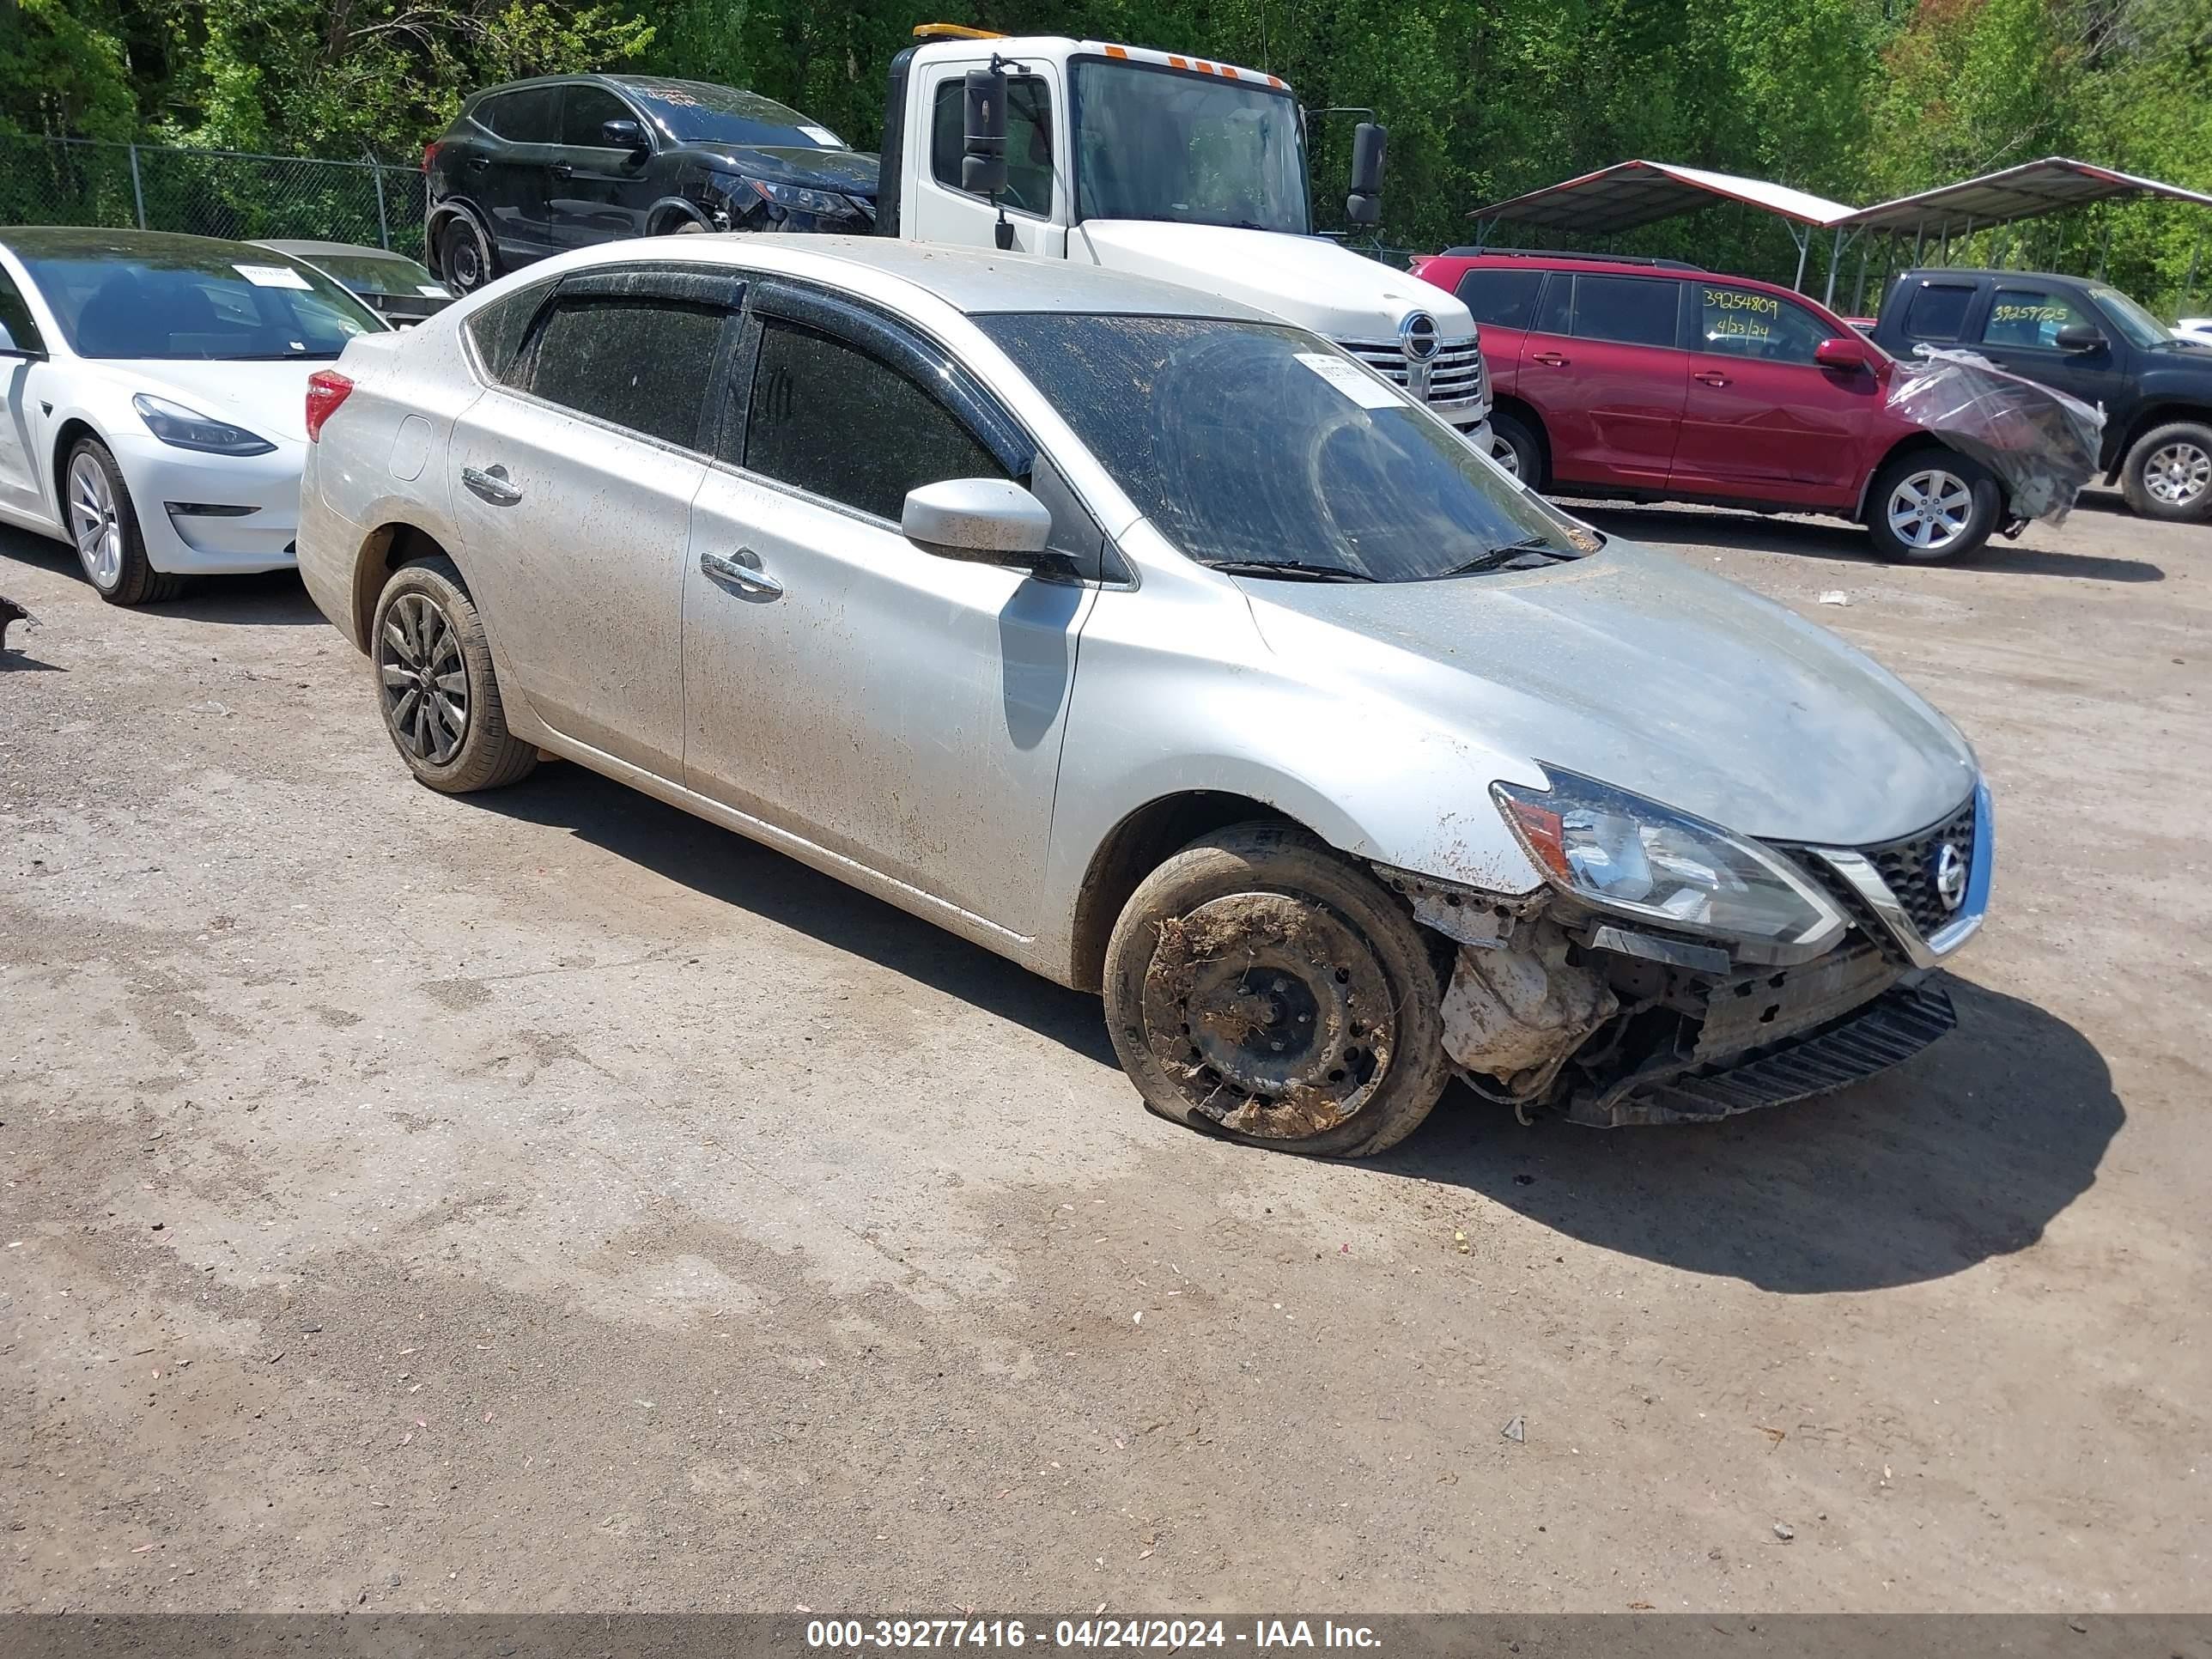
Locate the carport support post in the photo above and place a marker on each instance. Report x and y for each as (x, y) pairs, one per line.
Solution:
(138, 189)
(1804, 241)
(1835, 258)
(2189, 282)
(1858, 293)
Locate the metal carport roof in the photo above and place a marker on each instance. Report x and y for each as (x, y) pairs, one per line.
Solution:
(1630, 194)
(2054, 183)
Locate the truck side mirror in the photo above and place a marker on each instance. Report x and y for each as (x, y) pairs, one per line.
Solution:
(1365, 205)
(2080, 336)
(983, 143)
(624, 134)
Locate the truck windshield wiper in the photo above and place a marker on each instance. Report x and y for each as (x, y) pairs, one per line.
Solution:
(1288, 570)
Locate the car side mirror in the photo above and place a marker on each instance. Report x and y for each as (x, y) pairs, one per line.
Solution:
(2080, 336)
(622, 134)
(979, 520)
(1365, 204)
(1840, 354)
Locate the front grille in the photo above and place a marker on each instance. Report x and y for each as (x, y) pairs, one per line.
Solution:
(1907, 867)
(1455, 377)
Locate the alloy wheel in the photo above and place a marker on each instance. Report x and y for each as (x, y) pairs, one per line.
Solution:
(2178, 473)
(94, 525)
(1930, 509)
(1507, 456)
(425, 683)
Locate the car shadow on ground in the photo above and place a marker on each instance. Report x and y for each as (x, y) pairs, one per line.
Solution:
(271, 599)
(1965, 1152)
(725, 866)
(1704, 527)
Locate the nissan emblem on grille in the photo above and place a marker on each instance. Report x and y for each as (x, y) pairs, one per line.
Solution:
(1950, 876)
(1417, 337)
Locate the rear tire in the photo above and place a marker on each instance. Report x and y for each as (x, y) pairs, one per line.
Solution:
(2168, 473)
(1932, 506)
(1514, 447)
(465, 255)
(103, 524)
(434, 684)
(1260, 986)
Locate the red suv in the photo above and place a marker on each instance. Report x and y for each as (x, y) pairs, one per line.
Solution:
(1643, 379)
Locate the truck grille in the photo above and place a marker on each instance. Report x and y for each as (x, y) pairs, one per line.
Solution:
(1454, 378)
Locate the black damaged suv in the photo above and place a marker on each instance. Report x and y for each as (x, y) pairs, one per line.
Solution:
(536, 167)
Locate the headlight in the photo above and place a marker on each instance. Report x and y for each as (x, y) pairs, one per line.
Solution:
(800, 199)
(173, 423)
(1620, 852)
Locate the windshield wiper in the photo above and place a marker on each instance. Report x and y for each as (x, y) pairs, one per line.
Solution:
(1510, 554)
(1288, 570)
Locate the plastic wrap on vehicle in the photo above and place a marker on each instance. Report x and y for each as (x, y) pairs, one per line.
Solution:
(2042, 444)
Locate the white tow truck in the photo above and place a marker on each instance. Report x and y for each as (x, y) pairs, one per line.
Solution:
(1171, 166)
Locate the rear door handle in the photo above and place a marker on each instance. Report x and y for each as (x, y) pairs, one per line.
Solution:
(1710, 377)
(742, 573)
(492, 485)
(478, 163)
(1549, 359)
(562, 170)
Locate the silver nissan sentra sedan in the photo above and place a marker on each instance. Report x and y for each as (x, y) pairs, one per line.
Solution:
(1160, 646)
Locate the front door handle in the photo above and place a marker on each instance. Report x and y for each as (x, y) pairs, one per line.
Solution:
(1549, 359)
(1710, 377)
(492, 484)
(742, 573)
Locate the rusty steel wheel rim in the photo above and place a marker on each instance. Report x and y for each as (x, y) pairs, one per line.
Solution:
(1269, 1014)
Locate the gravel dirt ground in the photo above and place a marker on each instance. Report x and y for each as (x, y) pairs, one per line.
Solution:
(546, 1201)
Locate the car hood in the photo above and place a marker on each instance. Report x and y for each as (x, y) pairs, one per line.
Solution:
(1629, 667)
(268, 399)
(848, 172)
(1306, 280)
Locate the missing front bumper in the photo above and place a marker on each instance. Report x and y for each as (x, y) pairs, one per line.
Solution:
(1870, 1040)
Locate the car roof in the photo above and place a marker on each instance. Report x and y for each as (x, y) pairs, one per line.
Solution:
(308, 250)
(976, 281)
(79, 241)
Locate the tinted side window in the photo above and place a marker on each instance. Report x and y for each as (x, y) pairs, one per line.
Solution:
(1938, 312)
(527, 117)
(15, 318)
(1507, 298)
(2030, 317)
(499, 328)
(1633, 310)
(1029, 141)
(832, 419)
(584, 110)
(1743, 322)
(1554, 310)
(641, 364)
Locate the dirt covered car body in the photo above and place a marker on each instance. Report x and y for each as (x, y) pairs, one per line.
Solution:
(1163, 648)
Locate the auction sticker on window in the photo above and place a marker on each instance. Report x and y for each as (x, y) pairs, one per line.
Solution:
(272, 277)
(1360, 388)
(824, 137)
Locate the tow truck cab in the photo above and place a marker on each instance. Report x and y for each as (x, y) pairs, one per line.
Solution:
(1164, 166)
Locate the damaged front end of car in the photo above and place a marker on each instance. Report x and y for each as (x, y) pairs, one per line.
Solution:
(1669, 971)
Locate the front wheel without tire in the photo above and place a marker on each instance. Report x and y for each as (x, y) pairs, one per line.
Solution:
(104, 525)
(1932, 506)
(2168, 472)
(1260, 986)
(435, 686)
(466, 255)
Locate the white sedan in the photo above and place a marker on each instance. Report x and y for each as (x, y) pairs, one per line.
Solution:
(156, 389)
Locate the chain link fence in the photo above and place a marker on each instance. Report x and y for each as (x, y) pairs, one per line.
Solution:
(209, 192)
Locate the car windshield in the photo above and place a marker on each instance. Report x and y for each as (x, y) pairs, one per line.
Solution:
(701, 112)
(1160, 144)
(229, 304)
(388, 274)
(2143, 331)
(1261, 449)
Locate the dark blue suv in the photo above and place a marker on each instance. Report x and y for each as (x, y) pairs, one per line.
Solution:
(535, 168)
